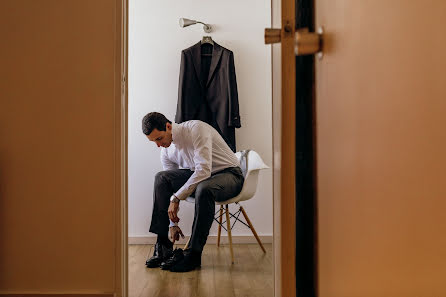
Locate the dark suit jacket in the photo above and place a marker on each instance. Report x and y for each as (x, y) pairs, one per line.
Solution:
(207, 90)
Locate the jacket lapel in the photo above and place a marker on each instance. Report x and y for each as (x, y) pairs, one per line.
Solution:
(196, 59)
(216, 54)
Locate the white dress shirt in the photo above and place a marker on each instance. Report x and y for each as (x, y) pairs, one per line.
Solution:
(199, 147)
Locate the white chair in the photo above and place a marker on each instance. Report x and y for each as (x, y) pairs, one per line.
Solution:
(251, 164)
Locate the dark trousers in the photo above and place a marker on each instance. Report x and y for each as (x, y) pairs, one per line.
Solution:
(221, 186)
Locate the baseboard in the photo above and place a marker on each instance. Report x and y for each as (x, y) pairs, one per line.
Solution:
(211, 239)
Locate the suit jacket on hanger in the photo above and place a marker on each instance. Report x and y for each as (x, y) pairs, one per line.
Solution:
(211, 98)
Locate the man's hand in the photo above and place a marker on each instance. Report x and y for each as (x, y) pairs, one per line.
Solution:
(172, 212)
(175, 233)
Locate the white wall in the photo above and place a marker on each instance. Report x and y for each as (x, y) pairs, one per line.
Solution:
(155, 44)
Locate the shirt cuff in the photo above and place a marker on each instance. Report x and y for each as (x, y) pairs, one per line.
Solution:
(180, 195)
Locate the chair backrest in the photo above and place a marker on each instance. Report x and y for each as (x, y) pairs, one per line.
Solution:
(250, 160)
(251, 163)
(243, 159)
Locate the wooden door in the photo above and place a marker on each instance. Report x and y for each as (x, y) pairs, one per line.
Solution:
(381, 143)
(62, 147)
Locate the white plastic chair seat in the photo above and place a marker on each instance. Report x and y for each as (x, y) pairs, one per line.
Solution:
(254, 165)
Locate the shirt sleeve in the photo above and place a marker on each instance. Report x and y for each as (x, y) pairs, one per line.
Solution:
(166, 162)
(202, 145)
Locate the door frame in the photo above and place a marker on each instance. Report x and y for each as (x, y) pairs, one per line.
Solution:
(284, 204)
(284, 149)
(121, 201)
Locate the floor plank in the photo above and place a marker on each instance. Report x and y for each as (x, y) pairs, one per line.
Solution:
(250, 275)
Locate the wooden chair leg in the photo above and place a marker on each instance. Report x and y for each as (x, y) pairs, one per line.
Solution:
(219, 225)
(185, 247)
(252, 229)
(228, 223)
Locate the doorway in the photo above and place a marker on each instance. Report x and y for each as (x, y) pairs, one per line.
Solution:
(154, 66)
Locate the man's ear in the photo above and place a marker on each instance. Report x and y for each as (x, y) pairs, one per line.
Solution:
(168, 126)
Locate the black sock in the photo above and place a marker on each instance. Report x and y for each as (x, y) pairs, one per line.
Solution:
(164, 240)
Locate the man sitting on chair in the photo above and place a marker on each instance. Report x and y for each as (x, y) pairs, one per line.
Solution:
(197, 162)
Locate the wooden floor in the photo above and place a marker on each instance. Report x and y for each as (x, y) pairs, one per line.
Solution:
(250, 275)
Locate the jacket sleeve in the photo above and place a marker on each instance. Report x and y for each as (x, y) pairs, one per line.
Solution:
(233, 111)
(182, 84)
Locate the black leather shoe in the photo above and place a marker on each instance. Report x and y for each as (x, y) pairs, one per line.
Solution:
(162, 252)
(191, 260)
(176, 257)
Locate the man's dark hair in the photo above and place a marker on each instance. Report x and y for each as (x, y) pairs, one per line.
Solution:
(154, 120)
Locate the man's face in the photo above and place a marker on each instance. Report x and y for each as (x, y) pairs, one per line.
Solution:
(161, 138)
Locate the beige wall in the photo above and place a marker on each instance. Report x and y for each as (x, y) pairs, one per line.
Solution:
(60, 181)
(153, 86)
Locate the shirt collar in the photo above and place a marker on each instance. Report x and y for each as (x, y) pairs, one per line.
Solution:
(176, 133)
